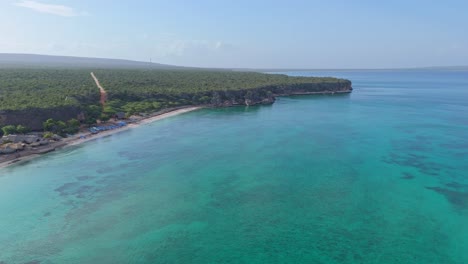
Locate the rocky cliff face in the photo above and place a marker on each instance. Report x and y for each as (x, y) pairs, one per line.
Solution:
(33, 118)
(267, 95)
(247, 97)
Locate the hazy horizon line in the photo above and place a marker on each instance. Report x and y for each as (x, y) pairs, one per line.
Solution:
(273, 69)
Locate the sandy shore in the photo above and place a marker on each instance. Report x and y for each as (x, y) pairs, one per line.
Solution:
(77, 139)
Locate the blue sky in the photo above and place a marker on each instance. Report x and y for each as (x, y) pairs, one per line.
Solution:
(241, 33)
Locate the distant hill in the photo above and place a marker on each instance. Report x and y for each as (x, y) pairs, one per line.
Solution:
(431, 68)
(10, 60)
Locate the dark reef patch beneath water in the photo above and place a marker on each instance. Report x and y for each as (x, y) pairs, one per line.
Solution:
(407, 176)
(75, 189)
(417, 161)
(459, 199)
(457, 185)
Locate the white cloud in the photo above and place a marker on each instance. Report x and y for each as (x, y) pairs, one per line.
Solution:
(58, 10)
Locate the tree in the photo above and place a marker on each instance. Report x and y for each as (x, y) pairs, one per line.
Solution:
(60, 128)
(22, 129)
(8, 130)
(49, 125)
(104, 117)
(48, 135)
(90, 120)
(109, 110)
(73, 123)
(73, 126)
(57, 127)
(93, 112)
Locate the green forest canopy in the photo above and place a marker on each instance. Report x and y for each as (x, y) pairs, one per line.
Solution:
(128, 90)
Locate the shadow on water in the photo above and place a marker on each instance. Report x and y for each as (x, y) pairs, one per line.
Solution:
(240, 108)
(316, 96)
(233, 111)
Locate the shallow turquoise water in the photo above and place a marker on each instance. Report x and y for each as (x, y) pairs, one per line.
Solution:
(378, 176)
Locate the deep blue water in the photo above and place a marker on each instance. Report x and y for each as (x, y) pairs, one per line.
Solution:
(376, 176)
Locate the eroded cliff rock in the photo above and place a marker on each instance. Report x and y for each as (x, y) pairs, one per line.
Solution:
(33, 118)
(268, 94)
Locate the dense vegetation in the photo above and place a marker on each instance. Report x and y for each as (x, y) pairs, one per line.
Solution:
(50, 126)
(60, 127)
(26, 89)
(135, 91)
(10, 129)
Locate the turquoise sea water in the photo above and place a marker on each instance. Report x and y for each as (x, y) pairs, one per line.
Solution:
(377, 176)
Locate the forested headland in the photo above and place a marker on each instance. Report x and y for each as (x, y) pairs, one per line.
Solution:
(29, 97)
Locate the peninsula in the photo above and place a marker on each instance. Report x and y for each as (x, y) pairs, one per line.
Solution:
(66, 101)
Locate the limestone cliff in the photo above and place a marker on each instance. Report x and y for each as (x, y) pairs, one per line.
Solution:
(268, 94)
(33, 118)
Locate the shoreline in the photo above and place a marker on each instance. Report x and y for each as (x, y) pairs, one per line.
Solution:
(77, 140)
(317, 93)
(143, 121)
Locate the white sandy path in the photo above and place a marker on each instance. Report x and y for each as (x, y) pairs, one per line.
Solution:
(101, 89)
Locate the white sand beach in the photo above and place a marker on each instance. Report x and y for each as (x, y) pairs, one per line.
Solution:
(84, 137)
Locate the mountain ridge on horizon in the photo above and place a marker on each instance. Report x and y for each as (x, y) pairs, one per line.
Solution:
(25, 60)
